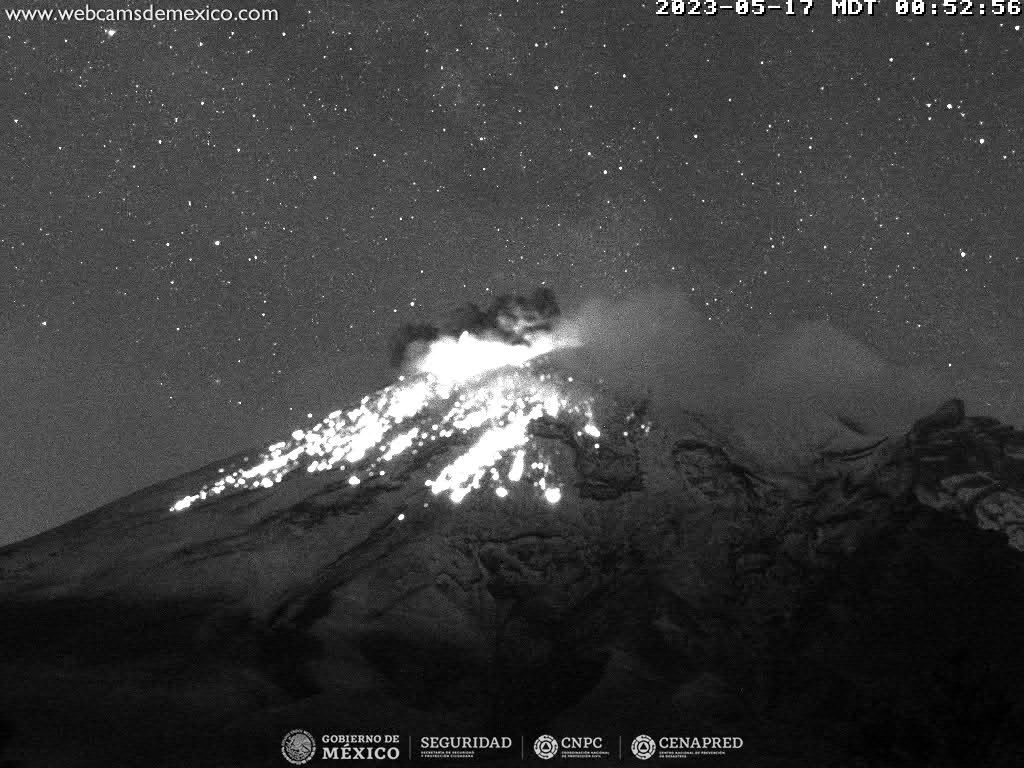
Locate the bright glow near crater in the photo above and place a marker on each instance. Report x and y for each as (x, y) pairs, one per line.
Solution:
(471, 390)
(458, 360)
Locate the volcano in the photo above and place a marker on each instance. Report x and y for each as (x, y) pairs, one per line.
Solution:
(500, 547)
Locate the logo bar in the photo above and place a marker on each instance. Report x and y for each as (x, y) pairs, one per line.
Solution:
(300, 747)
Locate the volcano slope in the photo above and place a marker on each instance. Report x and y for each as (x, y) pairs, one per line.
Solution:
(588, 571)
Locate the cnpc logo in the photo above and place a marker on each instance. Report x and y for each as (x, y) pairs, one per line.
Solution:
(547, 746)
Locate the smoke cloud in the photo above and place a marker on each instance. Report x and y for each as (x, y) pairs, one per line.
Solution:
(804, 389)
(510, 320)
(801, 390)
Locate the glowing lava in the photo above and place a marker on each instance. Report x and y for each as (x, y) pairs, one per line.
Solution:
(469, 389)
(458, 360)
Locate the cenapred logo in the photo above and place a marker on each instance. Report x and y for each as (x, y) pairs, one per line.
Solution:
(298, 747)
(546, 747)
(643, 747)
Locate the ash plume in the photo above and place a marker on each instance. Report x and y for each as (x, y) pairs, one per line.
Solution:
(510, 318)
(782, 392)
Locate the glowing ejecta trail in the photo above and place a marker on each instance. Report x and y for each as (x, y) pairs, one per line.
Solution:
(481, 388)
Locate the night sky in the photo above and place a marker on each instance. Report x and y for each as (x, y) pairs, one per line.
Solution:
(210, 230)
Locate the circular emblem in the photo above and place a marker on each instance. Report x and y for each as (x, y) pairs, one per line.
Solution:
(546, 747)
(643, 747)
(298, 747)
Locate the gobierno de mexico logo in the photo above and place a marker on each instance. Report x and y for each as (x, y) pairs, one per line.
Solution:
(298, 747)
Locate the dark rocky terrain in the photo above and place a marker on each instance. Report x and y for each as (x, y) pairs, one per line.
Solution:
(862, 608)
